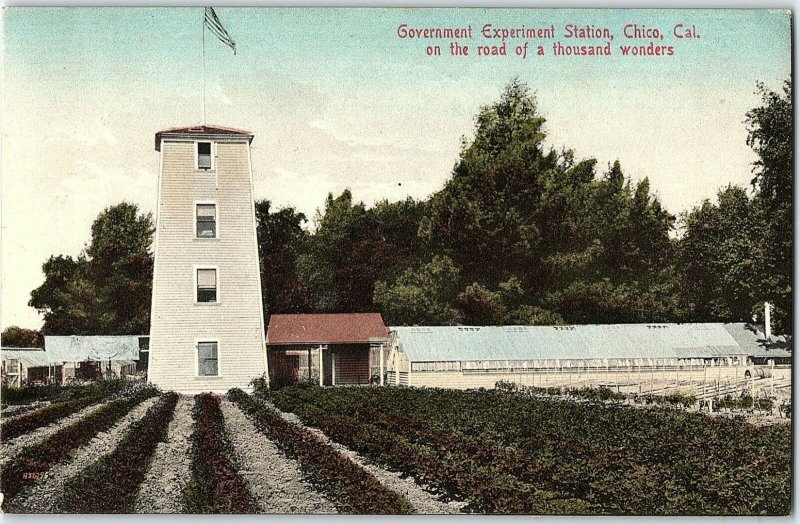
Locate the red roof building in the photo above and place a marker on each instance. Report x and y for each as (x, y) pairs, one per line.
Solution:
(326, 348)
(326, 328)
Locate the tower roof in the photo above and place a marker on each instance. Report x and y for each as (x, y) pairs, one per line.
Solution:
(201, 130)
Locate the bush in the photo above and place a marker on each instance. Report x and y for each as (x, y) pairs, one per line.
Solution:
(58, 392)
(111, 484)
(744, 402)
(215, 485)
(673, 399)
(596, 394)
(764, 404)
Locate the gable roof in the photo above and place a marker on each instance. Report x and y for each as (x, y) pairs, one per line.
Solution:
(326, 328)
(201, 130)
(620, 341)
(30, 357)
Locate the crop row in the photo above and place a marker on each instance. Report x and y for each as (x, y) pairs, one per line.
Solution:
(110, 485)
(492, 480)
(601, 394)
(35, 461)
(354, 489)
(215, 485)
(618, 459)
(32, 420)
(58, 392)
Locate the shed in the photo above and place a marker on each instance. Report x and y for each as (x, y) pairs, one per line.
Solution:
(85, 357)
(329, 348)
(25, 365)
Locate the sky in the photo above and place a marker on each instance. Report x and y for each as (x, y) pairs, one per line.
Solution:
(336, 99)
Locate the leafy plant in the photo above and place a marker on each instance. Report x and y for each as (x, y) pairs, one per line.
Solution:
(516, 453)
(110, 485)
(58, 392)
(30, 421)
(215, 485)
(353, 488)
(35, 461)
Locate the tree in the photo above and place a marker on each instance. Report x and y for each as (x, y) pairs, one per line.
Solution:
(720, 255)
(483, 217)
(514, 210)
(281, 241)
(107, 289)
(354, 247)
(771, 135)
(481, 306)
(17, 337)
(421, 296)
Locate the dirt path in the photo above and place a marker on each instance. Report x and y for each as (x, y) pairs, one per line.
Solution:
(169, 468)
(275, 480)
(424, 501)
(13, 446)
(43, 497)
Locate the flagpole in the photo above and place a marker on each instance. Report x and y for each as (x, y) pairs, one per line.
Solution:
(204, 67)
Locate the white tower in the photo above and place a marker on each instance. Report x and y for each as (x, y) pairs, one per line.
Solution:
(207, 322)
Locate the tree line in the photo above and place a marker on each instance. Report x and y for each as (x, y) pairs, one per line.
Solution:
(520, 233)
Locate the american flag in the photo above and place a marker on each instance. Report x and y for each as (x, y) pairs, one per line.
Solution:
(215, 26)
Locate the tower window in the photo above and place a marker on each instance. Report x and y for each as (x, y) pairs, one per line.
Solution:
(204, 155)
(206, 285)
(206, 220)
(207, 359)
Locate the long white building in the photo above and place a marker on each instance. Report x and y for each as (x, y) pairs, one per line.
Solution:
(629, 357)
(207, 324)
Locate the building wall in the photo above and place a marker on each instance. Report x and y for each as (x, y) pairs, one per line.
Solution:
(343, 364)
(352, 364)
(628, 381)
(177, 321)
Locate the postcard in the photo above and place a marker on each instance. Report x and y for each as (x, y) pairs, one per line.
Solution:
(397, 261)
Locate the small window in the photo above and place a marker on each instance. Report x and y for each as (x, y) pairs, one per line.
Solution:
(204, 155)
(207, 360)
(206, 285)
(206, 221)
(13, 366)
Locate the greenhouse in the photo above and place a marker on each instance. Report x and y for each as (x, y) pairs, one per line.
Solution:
(617, 355)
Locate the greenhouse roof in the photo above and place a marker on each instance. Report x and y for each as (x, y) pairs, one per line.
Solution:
(98, 348)
(755, 342)
(492, 343)
(30, 357)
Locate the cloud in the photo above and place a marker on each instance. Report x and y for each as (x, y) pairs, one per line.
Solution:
(218, 94)
(95, 134)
